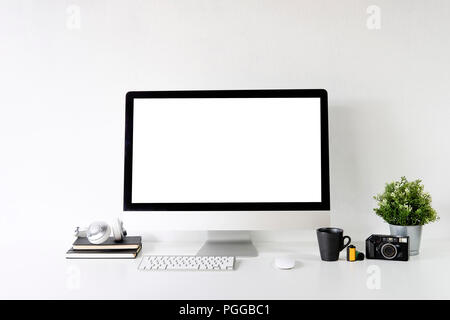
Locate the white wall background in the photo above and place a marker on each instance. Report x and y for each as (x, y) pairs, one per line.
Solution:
(63, 90)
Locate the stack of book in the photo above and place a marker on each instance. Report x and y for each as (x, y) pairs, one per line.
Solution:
(128, 248)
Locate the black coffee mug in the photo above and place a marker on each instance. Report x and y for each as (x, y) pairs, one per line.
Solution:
(331, 242)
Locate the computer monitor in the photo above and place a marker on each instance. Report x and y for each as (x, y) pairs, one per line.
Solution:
(229, 151)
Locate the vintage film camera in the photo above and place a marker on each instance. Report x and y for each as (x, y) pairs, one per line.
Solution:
(387, 247)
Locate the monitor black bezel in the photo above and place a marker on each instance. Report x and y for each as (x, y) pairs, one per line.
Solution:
(228, 206)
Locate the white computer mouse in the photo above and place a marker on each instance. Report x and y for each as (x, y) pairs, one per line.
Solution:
(284, 263)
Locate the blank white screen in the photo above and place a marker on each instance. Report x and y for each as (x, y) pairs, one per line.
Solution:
(226, 150)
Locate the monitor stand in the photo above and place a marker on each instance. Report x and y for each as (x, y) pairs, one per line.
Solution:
(228, 243)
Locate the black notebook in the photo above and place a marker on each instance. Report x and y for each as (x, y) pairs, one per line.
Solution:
(110, 244)
(102, 254)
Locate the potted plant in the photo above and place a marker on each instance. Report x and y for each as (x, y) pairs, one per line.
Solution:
(406, 207)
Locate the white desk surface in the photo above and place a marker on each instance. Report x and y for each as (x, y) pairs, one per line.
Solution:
(44, 273)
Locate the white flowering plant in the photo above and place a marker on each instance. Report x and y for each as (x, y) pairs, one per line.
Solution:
(405, 203)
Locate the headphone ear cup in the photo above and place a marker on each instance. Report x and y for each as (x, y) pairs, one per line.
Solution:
(98, 232)
(118, 231)
(80, 232)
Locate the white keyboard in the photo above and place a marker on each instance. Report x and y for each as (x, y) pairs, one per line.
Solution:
(202, 263)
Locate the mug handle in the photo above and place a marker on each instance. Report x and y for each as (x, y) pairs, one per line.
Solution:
(349, 240)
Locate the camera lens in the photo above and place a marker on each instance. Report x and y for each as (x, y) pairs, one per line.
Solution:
(388, 251)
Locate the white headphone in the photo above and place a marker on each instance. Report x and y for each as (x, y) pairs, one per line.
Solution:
(99, 231)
